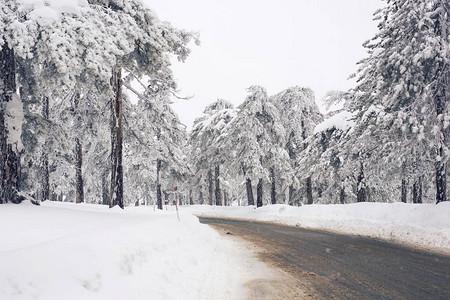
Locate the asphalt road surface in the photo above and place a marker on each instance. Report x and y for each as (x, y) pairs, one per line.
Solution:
(333, 266)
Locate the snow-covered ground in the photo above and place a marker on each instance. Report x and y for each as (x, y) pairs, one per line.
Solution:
(423, 225)
(81, 251)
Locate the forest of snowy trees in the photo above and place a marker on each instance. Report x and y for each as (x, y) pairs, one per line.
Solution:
(86, 116)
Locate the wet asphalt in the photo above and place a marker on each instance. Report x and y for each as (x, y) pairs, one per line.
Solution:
(334, 266)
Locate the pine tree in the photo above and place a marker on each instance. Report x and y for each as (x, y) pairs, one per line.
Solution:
(208, 152)
(300, 116)
(403, 90)
(256, 137)
(79, 48)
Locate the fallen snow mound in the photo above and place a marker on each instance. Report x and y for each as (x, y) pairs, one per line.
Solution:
(81, 251)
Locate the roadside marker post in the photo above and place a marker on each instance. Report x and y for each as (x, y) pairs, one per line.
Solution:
(176, 206)
(176, 202)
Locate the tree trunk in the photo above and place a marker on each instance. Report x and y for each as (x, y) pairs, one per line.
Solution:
(250, 199)
(45, 172)
(116, 197)
(217, 180)
(78, 171)
(441, 179)
(9, 156)
(273, 192)
(291, 195)
(178, 198)
(45, 188)
(166, 197)
(158, 184)
(200, 195)
(417, 190)
(441, 98)
(105, 190)
(441, 172)
(225, 200)
(191, 200)
(210, 187)
(342, 195)
(309, 196)
(361, 188)
(404, 191)
(259, 193)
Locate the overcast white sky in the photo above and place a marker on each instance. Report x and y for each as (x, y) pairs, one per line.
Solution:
(275, 44)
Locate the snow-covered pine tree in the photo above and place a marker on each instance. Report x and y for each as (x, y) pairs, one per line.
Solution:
(151, 41)
(45, 44)
(207, 148)
(84, 41)
(300, 116)
(324, 157)
(403, 91)
(257, 139)
(154, 141)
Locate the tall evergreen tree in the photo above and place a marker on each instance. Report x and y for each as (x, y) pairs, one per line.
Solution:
(257, 138)
(300, 116)
(403, 89)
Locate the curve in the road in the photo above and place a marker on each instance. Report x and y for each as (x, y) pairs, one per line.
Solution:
(346, 267)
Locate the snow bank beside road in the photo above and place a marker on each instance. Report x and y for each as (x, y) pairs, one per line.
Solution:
(80, 251)
(424, 225)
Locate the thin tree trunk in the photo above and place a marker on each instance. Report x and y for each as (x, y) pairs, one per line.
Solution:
(200, 195)
(178, 198)
(309, 196)
(116, 141)
(45, 178)
(361, 188)
(217, 180)
(79, 185)
(441, 99)
(191, 200)
(273, 192)
(342, 195)
(158, 184)
(45, 171)
(166, 197)
(250, 199)
(225, 200)
(105, 189)
(291, 195)
(419, 189)
(441, 179)
(441, 172)
(78, 171)
(9, 157)
(259, 193)
(404, 190)
(210, 187)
